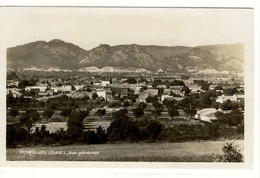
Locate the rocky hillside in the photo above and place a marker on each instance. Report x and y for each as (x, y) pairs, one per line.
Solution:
(233, 50)
(57, 54)
(42, 54)
(130, 56)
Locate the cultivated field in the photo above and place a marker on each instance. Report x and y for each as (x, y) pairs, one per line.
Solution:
(164, 152)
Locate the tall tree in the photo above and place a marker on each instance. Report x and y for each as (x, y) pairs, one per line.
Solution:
(122, 129)
(158, 109)
(75, 125)
(26, 121)
(154, 130)
(142, 105)
(23, 84)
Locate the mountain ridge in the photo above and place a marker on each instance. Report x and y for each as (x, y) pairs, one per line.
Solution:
(68, 56)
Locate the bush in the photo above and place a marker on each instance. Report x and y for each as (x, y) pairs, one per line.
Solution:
(234, 118)
(154, 130)
(61, 136)
(61, 102)
(101, 134)
(123, 129)
(15, 135)
(231, 154)
(90, 137)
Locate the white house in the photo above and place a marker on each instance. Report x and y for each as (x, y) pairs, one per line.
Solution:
(105, 82)
(161, 86)
(62, 90)
(36, 88)
(142, 96)
(166, 97)
(78, 87)
(206, 114)
(222, 99)
(101, 93)
(152, 92)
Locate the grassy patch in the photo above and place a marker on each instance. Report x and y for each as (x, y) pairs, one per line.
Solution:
(147, 152)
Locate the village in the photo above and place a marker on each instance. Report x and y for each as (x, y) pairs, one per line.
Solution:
(191, 100)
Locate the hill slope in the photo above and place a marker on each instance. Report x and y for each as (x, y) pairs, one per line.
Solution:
(57, 54)
(234, 50)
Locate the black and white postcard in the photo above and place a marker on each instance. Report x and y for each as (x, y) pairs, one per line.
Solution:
(128, 87)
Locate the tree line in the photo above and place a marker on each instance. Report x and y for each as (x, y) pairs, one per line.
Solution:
(122, 128)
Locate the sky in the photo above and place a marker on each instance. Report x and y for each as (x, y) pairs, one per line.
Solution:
(90, 27)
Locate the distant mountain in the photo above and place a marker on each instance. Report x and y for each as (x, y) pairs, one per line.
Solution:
(129, 56)
(59, 55)
(160, 52)
(233, 50)
(12, 76)
(42, 54)
(198, 59)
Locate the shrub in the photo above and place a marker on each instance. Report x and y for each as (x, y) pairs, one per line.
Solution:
(101, 134)
(154, 130)
(90, 137)
(61, 136)
(231, 154)
(15, 135)
(123, 129)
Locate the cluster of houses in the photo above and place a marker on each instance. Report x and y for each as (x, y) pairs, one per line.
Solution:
(108, 90)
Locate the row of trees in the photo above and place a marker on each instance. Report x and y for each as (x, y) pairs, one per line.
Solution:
(168, 83)
(121, 129)
(189, 105)
(34, 116)
(171, 106)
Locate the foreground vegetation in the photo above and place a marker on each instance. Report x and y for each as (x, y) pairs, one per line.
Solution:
(122, 128)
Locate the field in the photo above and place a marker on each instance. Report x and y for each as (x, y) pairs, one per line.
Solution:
(201, 151)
